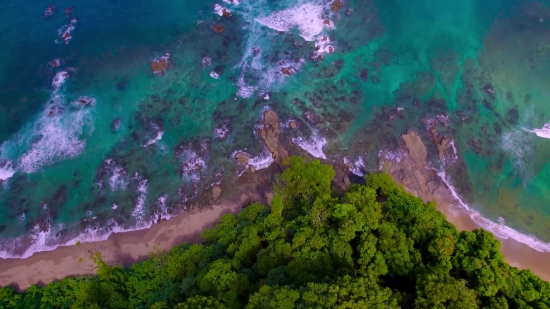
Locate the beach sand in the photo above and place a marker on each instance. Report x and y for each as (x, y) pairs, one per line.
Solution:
(119, 248)
(129, 247)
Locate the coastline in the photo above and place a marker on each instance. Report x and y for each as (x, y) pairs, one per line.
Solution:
(129, 247)
(120, 248)
(408, 166)
(517, 254)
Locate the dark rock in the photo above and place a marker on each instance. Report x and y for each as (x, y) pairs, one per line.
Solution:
(512, 116)
(364, 74)
(475, 144)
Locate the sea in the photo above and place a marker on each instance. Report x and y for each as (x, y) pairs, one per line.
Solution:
(115, 115)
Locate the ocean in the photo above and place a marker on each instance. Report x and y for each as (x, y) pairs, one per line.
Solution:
(115, 115)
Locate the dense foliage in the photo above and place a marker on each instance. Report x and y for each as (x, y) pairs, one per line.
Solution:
(376, 246)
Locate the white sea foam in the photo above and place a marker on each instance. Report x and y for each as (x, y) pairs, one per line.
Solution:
(6, 170)
(314, 145)
(59, 79)
(498, 229)
(218, 9)
(234, 2)
(543, 132)
(162, 209)
(55, 136)
(517, 144)
(139, 210)
(245, 91)
(214, 75)
(119, 179)
(37, 239)
(323, 45)
(388, 155)
(222, 132)
(262, 160)
(306, 17)
(192, 164)
(154, 140)
(65, 32)
(356, 167)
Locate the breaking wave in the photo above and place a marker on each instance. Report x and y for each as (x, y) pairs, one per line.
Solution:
(59, 133)
(498, 229)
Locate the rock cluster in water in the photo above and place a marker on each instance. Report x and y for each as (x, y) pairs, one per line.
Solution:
(160, 65)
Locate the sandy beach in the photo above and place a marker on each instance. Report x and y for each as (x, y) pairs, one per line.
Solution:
(123, 248)
(129, 247)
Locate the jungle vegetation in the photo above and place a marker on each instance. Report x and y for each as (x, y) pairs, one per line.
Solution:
(374, 246)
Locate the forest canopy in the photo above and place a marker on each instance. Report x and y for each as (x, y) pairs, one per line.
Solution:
(374, 246)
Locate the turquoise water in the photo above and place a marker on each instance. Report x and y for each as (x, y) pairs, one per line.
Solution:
(99, 142)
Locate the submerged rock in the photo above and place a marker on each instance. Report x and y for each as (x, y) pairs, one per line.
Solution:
(54, 63)
(160, 65)
(49, 11)
(115, 124)
(337, 5)
(218, 28)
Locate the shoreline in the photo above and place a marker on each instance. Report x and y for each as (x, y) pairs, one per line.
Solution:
(516, 253)
(119, 248)
(133, 246)
(408, 166)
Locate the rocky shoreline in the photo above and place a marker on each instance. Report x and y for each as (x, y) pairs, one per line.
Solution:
(408, 165)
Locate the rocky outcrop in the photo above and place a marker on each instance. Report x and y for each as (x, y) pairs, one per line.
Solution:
(269, 132)
(242, 158)
(415, 147)
(218, 28)
(442, 144)
(409, 168)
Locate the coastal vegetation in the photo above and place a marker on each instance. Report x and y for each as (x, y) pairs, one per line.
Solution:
(373, 246)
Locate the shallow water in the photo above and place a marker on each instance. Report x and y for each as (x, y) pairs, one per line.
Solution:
(99, 143)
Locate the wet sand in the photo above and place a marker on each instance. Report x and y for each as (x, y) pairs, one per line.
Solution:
(121, 248)
(126, 248)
